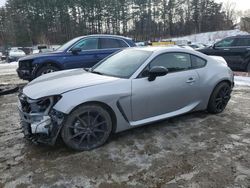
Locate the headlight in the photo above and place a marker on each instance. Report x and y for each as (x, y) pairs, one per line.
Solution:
(25, 64)
(43, 104)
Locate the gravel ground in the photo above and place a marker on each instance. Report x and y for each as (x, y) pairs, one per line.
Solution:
(194, 150)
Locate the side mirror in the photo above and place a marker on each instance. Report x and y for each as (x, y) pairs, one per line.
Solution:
(214, 46)
(75, 51)
(156, 72)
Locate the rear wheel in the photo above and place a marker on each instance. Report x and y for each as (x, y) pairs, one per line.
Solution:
(87, 127)
(46, 69)
(219, 98)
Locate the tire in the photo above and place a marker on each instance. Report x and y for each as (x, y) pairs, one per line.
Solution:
(87, 127)
(219, 98)
(46, 69)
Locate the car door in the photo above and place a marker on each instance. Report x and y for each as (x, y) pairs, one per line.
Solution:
(240, 52)
(86, 57)
(109, 45)
(227, 49)
(177, 92)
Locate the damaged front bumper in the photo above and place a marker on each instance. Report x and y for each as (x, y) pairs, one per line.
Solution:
(39, 121)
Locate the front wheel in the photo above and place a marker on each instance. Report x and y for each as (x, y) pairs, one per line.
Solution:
(87, 127)
(219, 98)
(46, 69)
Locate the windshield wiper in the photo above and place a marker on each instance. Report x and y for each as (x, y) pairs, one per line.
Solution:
(96, 72)
(86, 69)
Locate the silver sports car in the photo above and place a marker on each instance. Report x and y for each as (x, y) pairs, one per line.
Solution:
(133, 87)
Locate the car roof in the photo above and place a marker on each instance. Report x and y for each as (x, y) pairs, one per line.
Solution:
(106, 35)
(164, 49)
(239, 36)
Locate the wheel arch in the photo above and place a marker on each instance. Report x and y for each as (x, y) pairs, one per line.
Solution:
(50, 62)
(45, 63)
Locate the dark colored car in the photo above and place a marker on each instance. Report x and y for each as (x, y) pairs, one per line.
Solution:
(81, 52)
(235, 50)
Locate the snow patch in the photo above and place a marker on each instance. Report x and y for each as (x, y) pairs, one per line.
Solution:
(211, 37)
(15, 63)
(242, 81)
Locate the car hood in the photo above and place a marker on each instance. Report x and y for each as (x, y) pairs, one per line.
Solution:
(60, 82)
(204, 49)
(40, 55)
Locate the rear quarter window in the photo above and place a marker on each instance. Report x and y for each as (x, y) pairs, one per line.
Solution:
(243, 42)
(198, 62)
(107, 43)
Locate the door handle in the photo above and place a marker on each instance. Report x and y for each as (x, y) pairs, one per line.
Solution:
(190, 80)
(226, 49)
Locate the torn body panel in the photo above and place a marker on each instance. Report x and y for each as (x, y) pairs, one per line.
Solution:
(39, 121)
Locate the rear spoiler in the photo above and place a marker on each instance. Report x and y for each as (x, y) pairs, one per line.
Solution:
(219, 59)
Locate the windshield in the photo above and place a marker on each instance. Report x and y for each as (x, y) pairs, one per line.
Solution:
(123, 64)
(68, 44)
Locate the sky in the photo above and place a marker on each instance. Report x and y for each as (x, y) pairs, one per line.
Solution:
(240, 4)
(2, 2)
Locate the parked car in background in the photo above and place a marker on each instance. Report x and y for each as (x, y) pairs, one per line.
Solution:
(185, 46)
(140, 43)
(15, 54)
(235, 50)
(133, 87)
(197, 46)
(81, 52)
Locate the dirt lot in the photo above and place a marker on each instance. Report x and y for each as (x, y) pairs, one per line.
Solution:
(195, 150)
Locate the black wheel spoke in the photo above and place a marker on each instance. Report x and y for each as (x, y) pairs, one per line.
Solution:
(77, 134)
(218, 100)
(81, 121)
(79, 128)
(88, 138)
(98, 115)
(218, 104)
(94, 135)
(99, 124)
(82, 138)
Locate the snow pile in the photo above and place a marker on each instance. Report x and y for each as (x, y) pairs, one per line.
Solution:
(15, 64)
(211, 37)
(242, 81)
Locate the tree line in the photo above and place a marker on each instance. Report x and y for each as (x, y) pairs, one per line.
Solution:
(29, 22)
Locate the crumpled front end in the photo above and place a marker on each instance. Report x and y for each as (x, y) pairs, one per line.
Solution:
(39, 121)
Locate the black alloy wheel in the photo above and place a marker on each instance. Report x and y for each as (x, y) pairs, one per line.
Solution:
(87, 127)
(219, 98)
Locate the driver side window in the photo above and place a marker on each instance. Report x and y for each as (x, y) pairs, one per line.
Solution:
(173, 61)
(225, 43)
(87, 44)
